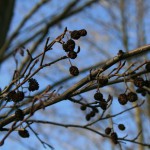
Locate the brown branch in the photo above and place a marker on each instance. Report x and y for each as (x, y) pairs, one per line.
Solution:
(81, 83)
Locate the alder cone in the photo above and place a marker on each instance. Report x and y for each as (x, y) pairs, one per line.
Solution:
(121, 127)
(132, 97)
(74, 71)
(139, 82)
(83, 107)
(12, 95)
(114, 137)
(98, 96)
(33, 85)
(83, 32)
(16, 96)
(65, 47)
(122, 99)
(88, 117)
(103, 81)
(19, 116)
(75, 35)
(71, 44)
(23, 133)
(108, 130)
(19, 96)
(72, 54)
(95, 110)
(92, 113)
(103, 104)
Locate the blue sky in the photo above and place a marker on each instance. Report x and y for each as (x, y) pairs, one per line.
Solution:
(67, 112)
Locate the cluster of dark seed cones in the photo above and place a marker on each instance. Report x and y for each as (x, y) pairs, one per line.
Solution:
(23, 133)
(69, 48)
(139, 82)
(19, 115)
(18, 96)
(100, 103)
(92, 113)
(124, 98)
(113, 135)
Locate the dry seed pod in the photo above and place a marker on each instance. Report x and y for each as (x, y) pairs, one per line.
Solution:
(139, 82)
(114, 137)
(132, 97)
(83, 32)
(75, 35)
(98, 96)
(12, 95)
(88, 117)
(65, 47)
(121, 127)
(92, 113)
(19, 96)
(19, 116)
(71, 44)
(103, 81)
(23, 133)
(122, 98)
(74, 71)
(72, 54)
(108, 130)
(95, 109)
(83, 107)
(33, 85)
(103, 104)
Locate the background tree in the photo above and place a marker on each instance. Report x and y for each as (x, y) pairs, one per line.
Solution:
(111, 25)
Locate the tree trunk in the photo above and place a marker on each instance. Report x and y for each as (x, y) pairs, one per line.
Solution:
(6, 14)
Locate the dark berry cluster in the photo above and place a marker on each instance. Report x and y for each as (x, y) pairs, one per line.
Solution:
(100, 100)
(139, 82)
(16, 96)
(69, 48)
(124, 98)
(33, 85)
(76, 34)
(92, 113)
(113, 135)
